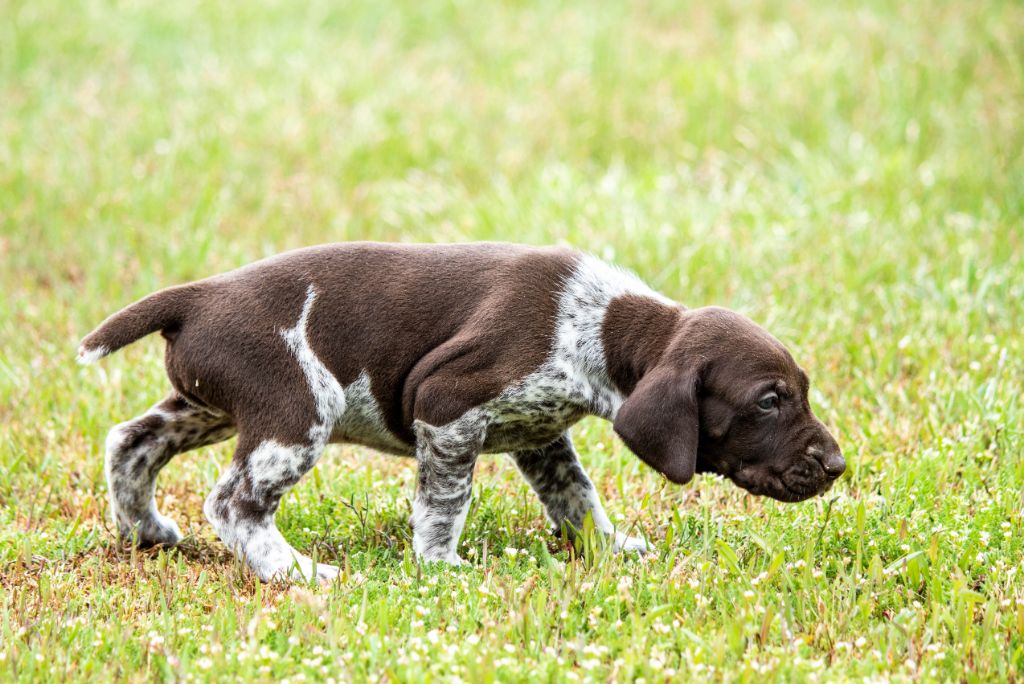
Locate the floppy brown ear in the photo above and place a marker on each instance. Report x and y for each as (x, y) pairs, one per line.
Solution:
(659, 422)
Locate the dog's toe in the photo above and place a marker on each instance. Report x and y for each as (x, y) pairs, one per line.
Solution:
(451, 560)
(156, 531)
(632, 545)
(326, 574)
(301, 570)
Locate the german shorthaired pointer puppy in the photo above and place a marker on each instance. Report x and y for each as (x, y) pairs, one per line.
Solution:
(444, 353)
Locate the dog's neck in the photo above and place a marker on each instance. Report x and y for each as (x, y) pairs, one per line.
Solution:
(636, 332)
(611, 329)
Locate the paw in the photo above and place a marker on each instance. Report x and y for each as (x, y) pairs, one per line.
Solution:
(326, 574)
(157, 530)
(434, 551)
(450, 559)
(631, 545)
(303, 570)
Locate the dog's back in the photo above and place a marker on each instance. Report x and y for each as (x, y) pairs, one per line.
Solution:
(392, 314)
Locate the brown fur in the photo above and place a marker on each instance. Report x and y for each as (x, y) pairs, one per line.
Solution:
(694, 379)
(462, 323)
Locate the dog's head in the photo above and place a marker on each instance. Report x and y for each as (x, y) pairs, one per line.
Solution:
(726, 397)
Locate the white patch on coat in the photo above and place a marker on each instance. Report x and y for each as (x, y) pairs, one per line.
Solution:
(328, 396)
(349, 414)
(272, 463)
(574, 379)
(363, 421)
(87, 356)
(578, 348)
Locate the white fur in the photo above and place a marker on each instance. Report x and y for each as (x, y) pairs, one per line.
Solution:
(363, 421)
(327, 393)
(578, 346)
(575, 370)
(137, 450)
(87, 356)
(349, 414)
(441, 452)
(148, 524)
(259, 542)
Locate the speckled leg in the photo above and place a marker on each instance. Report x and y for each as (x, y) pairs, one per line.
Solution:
(447, 456)
(555, 474)
(242, 505)
(136, 452)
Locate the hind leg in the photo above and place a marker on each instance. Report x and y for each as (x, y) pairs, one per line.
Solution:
(277, 446)
(242, 505)
(136, 452)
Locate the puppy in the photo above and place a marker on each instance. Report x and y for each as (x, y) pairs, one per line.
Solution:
(444, 352)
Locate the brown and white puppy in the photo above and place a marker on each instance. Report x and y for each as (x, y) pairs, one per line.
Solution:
(442, 353)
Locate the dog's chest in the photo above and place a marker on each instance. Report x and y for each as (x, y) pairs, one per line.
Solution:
(534, 412)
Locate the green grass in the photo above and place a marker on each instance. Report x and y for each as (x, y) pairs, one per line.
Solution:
(849, 174)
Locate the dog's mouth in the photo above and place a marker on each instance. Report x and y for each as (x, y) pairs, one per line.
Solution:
(797, 483)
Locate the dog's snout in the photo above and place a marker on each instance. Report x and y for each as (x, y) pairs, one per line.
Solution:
(832, 462)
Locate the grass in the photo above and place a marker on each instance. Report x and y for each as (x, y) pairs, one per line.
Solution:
(851, 175)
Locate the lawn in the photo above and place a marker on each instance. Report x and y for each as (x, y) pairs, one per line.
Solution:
(849, 174)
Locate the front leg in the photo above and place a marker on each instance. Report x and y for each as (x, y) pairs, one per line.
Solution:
(555, 474)
(446, 458)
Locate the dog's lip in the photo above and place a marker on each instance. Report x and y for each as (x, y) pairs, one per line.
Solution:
(774, 485)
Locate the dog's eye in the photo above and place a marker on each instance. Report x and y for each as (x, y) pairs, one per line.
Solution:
(768, 402)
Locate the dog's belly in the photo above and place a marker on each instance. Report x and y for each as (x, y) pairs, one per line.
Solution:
(363, 422)
(529, 416)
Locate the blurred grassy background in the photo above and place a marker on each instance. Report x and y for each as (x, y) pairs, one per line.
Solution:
(849, 174)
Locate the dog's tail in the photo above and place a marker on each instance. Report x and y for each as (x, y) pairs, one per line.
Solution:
(163, 310)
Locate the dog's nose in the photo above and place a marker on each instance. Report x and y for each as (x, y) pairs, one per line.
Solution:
(832, 462)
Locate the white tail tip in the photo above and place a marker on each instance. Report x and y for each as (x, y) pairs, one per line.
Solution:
(87, 356)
